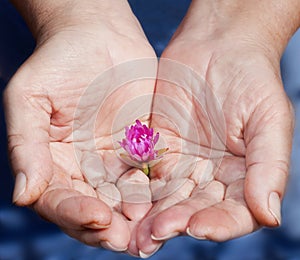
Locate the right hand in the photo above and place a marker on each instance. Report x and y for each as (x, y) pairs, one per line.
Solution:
(40, 102)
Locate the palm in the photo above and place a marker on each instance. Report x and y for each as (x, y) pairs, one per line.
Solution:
(226, 147)
(220, 161)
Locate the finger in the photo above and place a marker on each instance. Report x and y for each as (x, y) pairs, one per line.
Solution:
(136, 194)
(116, 237)
(28, 121)
(109, 194)
(269, 138)
(70, 209)
(173, 171)
(147, 246)
(231, 169)
(174, 220)
(226, 220)
(84, 188)
(173, 166)
(132, 246)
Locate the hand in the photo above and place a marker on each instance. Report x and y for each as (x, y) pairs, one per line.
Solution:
(229, 131)
(40, 103)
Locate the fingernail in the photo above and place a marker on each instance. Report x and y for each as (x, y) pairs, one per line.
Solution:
(188, 231)
(109, 246)
(131, 254)
(275, 206)
(144, 255)
(96, 226)
(20, 186)
(174, 234)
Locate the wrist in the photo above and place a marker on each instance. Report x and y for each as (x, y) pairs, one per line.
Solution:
(45, 18)
(266, 23)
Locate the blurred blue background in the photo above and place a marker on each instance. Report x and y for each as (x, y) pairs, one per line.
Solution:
(23, 235)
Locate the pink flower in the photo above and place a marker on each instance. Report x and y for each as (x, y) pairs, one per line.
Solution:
(139, 143)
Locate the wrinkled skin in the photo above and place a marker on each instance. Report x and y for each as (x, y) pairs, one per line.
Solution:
(40, 102)
(248, 161)
(244, 130)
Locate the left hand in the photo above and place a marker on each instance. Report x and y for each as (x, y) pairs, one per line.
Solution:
(224, 176)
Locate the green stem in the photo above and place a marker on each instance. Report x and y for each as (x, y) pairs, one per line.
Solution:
(146, 169)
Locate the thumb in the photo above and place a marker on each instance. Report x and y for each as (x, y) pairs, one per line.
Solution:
(27, 115)
(268, 141)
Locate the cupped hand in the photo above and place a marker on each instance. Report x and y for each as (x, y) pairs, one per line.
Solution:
(221, 107)
(54, 171)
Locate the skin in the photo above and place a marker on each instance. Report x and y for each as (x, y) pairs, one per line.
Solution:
(241, 68)
(249, 162)
(46, 89)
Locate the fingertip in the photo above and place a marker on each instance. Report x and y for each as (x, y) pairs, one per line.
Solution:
(166, 237)
(169, 223)
(147, 255)
(96, 226)
(205, 225)
(275, 207)
(144, 242)
(117, 234)
(191, 234)
(94, 212)
(267, 213)
(79, 211)
(263, 194)
(116, 237)
(27, 191)
(20, 188)
(110, 246)
(136, 211)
